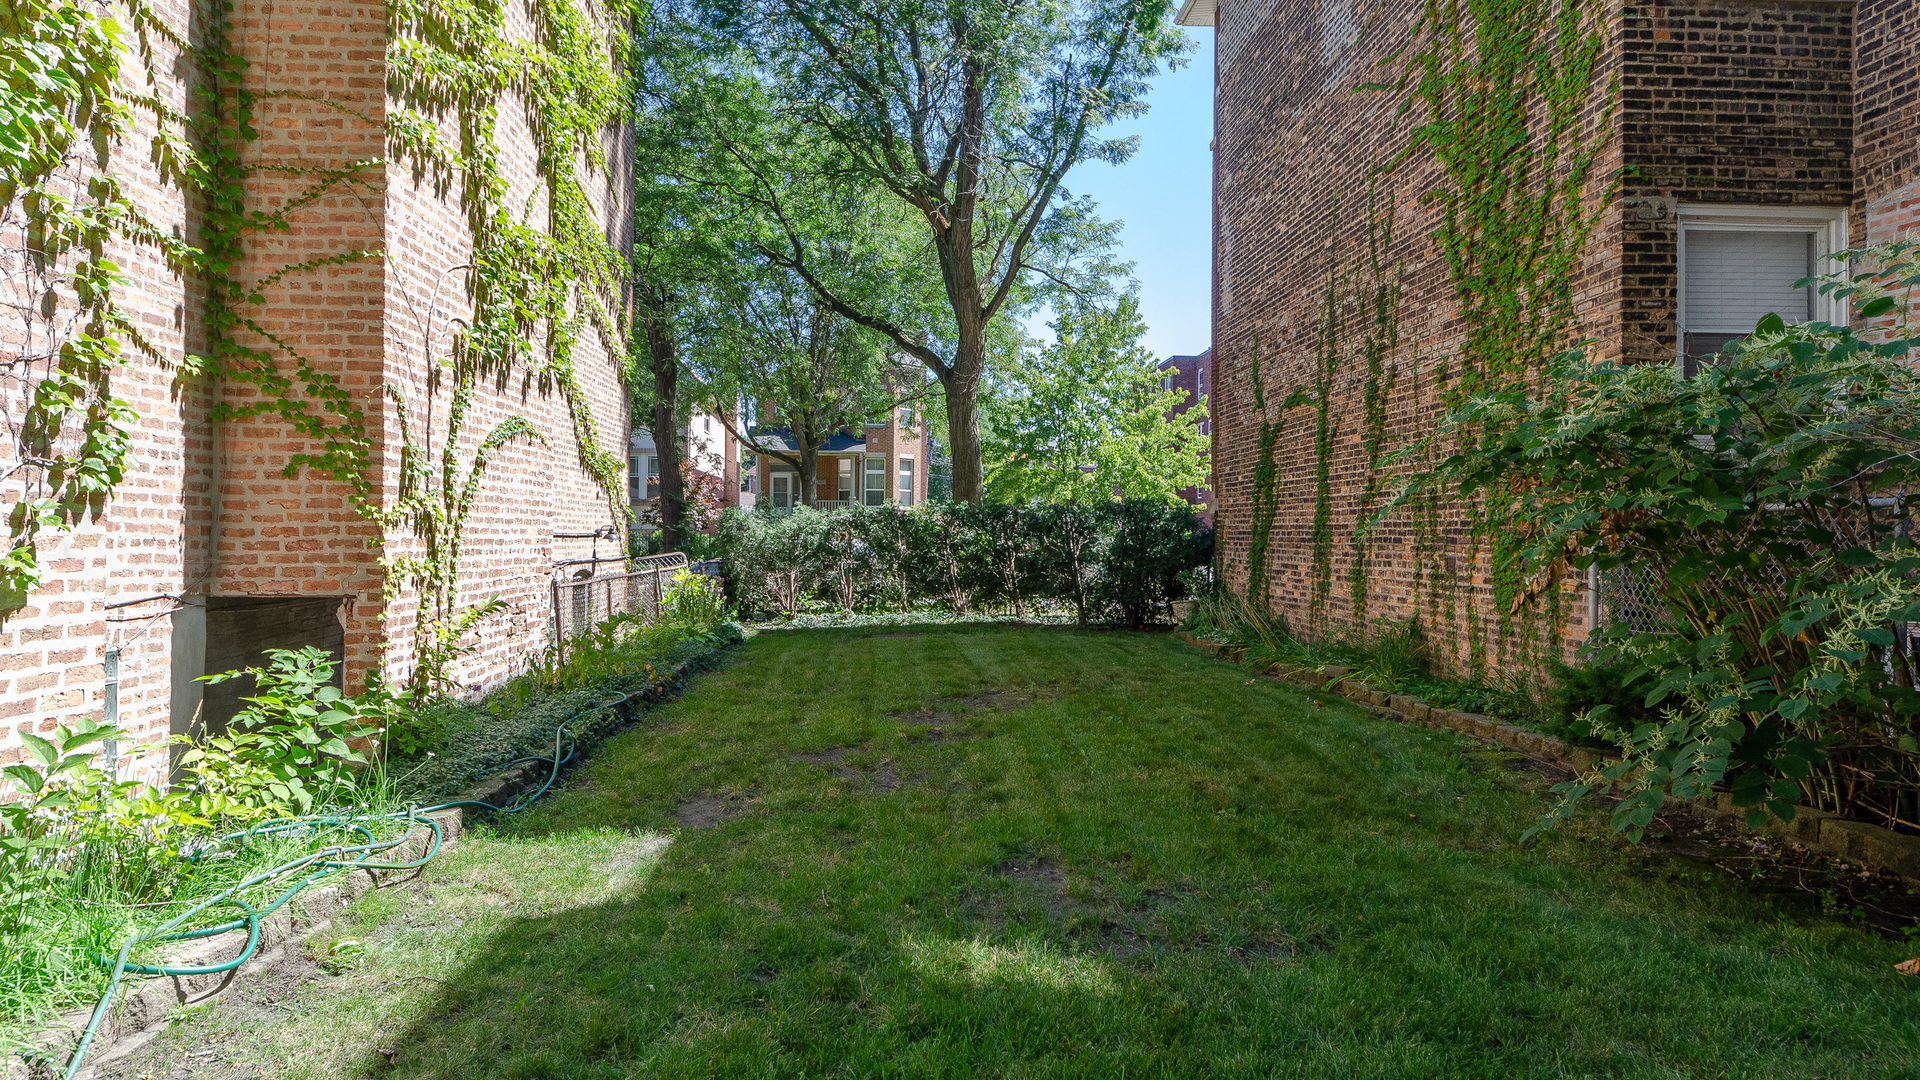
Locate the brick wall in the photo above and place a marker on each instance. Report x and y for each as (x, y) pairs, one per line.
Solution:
(207, 511)
(1739, 101)
(1748, 103)
(1887, 134)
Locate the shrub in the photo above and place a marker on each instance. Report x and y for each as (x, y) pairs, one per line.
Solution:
(1769, 499)
(1118, 561)
(296, 745)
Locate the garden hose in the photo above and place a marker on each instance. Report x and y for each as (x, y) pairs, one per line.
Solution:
(325, 863)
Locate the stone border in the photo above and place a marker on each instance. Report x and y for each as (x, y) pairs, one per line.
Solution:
(1822, 831)
(142, 1007)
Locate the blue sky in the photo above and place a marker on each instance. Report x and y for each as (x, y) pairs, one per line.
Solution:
(1162, 194)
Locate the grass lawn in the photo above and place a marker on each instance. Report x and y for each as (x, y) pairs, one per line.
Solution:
(988, 851)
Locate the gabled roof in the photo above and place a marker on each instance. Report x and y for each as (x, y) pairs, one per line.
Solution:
(838, 443)
(1196, 13)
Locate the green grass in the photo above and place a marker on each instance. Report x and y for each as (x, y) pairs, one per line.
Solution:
(1117, 858)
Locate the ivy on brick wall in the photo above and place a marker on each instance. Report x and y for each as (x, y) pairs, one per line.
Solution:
(63, 114)
(1266, 479)
(1512, 116)
(542, 274)
(534, 291)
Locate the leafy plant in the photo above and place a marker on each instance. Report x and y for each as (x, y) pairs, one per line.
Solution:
(1770, 499)
(1114, 561)
(295, 745)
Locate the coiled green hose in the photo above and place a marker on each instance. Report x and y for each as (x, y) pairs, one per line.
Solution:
(325, 863)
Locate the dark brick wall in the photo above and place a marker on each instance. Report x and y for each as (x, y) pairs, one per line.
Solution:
(1730, 102)
(1742, 101)
(1887, 133)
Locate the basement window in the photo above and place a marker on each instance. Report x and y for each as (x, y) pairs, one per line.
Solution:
(237, 631)
(1738, 264)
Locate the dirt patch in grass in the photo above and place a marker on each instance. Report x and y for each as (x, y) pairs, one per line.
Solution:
(1040, 872)
(911, 634)
(881, 778)
(958, 710)
(706, 811)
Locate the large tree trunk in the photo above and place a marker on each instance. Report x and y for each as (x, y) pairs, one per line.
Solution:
(962, 387)
(665, 360)
(809, 470)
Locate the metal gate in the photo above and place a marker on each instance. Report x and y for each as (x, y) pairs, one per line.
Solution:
(585, 597)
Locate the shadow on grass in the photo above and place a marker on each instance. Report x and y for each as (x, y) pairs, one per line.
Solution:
(1135, 862)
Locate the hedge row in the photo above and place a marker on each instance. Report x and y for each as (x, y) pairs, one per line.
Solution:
(1108, 562)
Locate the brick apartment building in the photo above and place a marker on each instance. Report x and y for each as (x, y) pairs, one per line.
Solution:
(207, 554)
(1751, 138)
(1193, 374)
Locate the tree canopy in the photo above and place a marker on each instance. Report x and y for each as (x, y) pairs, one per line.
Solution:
(1085, 418)
(967, 115)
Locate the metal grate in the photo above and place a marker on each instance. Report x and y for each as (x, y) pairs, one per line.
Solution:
(587, 597)
(1631, 595)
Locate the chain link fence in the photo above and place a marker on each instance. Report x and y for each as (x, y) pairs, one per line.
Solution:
(587, 596)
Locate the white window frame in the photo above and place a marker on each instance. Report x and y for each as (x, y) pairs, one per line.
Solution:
(791, 484)
(1829, 222)
(905, 464)
(868, 472)
(843, 480)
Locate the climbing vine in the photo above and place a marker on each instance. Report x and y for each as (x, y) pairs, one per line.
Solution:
(1266, 481)
(64, 112)
(542, 273)
(1326, 429)
(533, 291)
(1380, 339)
(1512, 119)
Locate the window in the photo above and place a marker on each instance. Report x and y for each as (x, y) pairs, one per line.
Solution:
(643, 477)
(1738, 265)
(906, 481)
(906, 417)
(846, 480)
(876, 485)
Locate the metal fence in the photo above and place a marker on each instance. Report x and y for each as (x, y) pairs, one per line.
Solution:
(588, 592)
(1627, 595)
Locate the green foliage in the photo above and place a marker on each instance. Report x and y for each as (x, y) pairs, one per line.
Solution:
(295, 746)
(1084, 419)
(64, 108)
(1769, 498)
(1576, 690)
(1514, 113)
(693, 600)
(1117, 561)
(964, 120)
(472, 740)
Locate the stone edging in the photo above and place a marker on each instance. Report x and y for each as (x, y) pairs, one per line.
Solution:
(142, 1006)
(1819, 830)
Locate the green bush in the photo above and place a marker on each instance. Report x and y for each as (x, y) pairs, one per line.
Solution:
(298, 744)
(1769, 500)
(1111, 562)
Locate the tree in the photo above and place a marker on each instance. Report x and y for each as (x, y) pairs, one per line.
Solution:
(769, 340)
(969, 115)
(678, 248)
(1085, 418)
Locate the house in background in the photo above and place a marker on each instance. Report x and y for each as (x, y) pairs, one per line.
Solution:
(710, 452)
(878, 463)
(1750, 139)
(1193, 374)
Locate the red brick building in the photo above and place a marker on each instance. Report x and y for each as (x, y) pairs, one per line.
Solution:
(1750, 138)
(207, 553)
(1194, 375)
